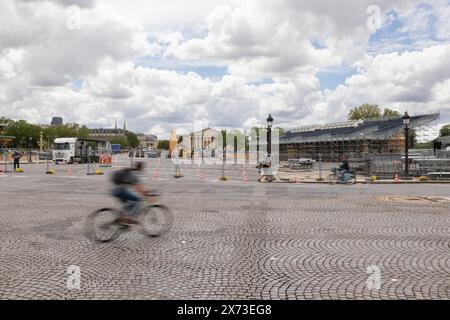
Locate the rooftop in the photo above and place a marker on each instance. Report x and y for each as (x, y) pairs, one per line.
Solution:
(379, 128)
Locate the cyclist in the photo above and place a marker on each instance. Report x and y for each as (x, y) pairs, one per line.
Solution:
(129, 190)
(344, 168)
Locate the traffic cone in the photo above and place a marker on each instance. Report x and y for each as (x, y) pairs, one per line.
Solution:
(245, 177)
(155, 174)
(69, 172)
(396, 178)
(202, 175)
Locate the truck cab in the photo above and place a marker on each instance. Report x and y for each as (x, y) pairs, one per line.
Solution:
(64, 150)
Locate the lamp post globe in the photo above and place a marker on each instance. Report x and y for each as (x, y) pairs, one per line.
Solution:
(406, 119)
(269, 121)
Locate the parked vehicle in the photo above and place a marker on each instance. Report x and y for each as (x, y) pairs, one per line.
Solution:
(71, 150)
(116, 148)
(153, 154)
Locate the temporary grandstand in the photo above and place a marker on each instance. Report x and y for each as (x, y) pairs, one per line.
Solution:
(354, 139)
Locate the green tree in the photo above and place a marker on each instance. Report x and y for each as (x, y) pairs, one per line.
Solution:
(280, 130)
(424, 145)
(164, 144)
(364, 112)
(123, 141)
(83, 132)
(390, 113)
(23, 131)
(445, 131)
(4, 120)
(133, 140)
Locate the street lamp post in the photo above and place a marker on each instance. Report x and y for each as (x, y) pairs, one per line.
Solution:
(406, 122)
(41, 137)
(268, 174)
(29, 146)
(269, 136)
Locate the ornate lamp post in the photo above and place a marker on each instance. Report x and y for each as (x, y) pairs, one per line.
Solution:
(269, 136)
(406, 122)
(29, 146)
(268, 170)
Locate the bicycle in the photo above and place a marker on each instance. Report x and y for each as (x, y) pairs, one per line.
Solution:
(153, 219)
(335, 177)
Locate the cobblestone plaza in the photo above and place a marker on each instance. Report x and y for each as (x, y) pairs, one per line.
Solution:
(230, 240)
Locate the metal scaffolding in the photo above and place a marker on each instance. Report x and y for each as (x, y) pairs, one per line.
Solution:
(356, 140)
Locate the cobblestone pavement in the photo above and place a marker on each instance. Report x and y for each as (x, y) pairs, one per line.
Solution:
(231, 240)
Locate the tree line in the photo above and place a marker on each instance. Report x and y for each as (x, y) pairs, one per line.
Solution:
(27, 135)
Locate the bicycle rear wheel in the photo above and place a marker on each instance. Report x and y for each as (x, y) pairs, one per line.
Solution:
(101, 225)
(156, 220)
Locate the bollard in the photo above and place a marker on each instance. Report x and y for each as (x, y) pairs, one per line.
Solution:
(177, 172)
(47, 170)
(90, 167)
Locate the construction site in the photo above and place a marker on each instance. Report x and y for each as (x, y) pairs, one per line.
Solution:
(375, 147)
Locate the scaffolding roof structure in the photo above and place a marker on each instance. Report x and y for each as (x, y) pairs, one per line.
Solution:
(372, 129)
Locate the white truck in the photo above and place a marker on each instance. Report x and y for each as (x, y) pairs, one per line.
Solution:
(72, 150)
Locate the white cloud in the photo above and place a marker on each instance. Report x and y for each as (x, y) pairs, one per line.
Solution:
(263, 38)
(41, 59)
(417, 81)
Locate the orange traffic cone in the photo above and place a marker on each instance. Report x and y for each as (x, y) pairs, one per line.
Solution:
(245, 177)
(202, 175)
(155, 174)
(69, 172)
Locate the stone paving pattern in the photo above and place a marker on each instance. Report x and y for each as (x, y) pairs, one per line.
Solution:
(231, 240)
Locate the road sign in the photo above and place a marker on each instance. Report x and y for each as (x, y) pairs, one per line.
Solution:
(45, 156)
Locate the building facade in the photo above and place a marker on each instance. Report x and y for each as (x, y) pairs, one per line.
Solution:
(203, 143)
(147, 141)
(102, 133)
(57, 121)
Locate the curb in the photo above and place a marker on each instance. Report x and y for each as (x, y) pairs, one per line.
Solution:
(284, 180)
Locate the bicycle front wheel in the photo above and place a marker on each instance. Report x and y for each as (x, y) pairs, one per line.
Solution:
(101, 225)
(156, 220)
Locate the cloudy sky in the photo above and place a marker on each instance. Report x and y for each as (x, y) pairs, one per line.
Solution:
(162, 65)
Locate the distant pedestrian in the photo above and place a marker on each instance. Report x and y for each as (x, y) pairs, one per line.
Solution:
(16, 158)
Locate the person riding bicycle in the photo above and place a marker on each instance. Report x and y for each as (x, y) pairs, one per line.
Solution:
(344, 168)
(129, 190)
